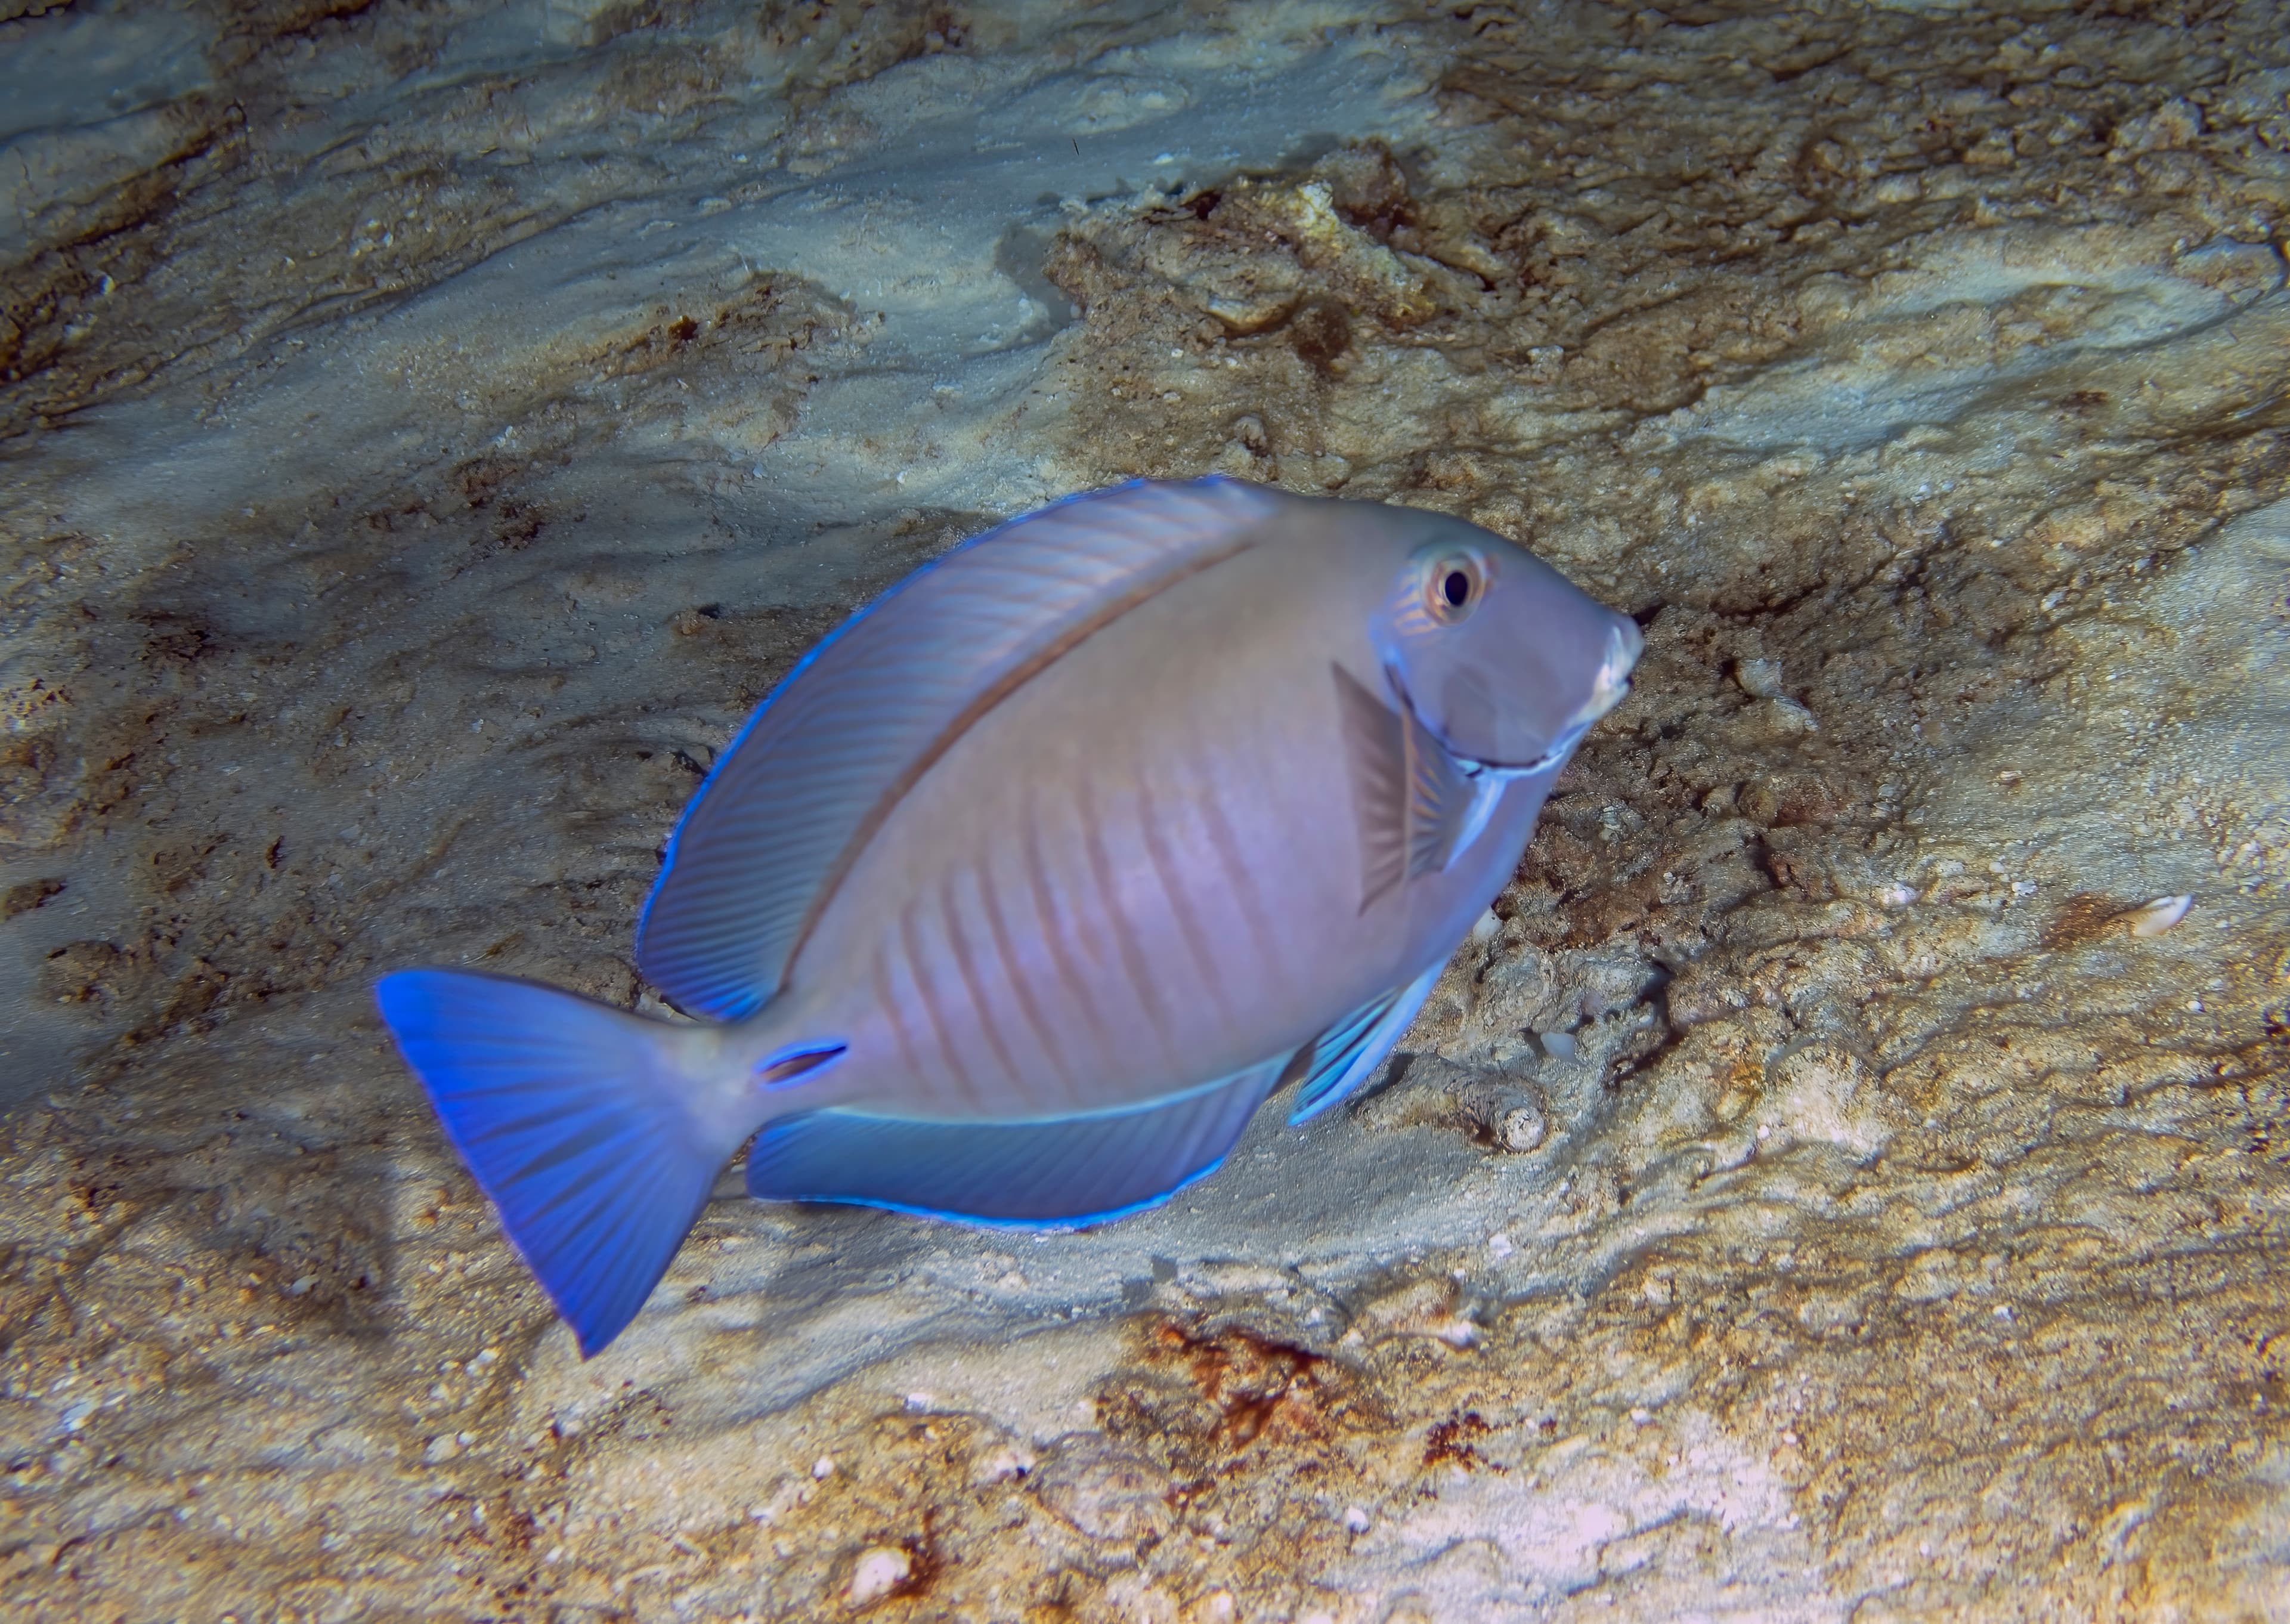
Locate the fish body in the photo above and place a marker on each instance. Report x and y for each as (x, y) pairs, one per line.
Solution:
(1016, 900)
(1117, 884)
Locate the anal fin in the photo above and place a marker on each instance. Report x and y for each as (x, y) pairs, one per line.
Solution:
(1057, 1173)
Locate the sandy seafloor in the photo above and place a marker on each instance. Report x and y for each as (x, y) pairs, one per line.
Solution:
(429, 426)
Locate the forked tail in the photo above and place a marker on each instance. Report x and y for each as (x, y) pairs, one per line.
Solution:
(594, 1133)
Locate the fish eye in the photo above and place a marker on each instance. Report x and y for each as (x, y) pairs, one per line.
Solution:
(1452, 587)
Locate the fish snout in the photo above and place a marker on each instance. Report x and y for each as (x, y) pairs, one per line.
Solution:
(1612, 684)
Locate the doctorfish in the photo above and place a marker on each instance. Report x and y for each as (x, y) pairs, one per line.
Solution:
(1021, 894)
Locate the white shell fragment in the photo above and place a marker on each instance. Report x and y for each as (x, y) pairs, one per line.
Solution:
(1424, 1309)
(1759, 678)
(1486, 927)
(880, 1570)
(1790, 717)
(2157, 916)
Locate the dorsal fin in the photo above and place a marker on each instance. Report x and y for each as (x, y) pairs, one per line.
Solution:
(820, 764)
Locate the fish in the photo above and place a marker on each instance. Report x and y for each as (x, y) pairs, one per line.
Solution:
(1025, 890)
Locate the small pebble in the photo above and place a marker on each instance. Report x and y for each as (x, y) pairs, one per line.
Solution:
(823, 1467)
(880, 1570)
(1487, 927)
(1509, 1115)
(1008, 1465)
(1355, 1518)
(1792, 717)
(1760, 678)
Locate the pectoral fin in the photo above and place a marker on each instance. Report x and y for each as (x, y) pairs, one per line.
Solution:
(1413, 806)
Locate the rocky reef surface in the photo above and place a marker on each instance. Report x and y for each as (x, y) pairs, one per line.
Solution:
(1848, 1176)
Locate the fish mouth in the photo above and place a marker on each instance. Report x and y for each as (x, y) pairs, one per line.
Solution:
(1478, 766)
(1624, 643)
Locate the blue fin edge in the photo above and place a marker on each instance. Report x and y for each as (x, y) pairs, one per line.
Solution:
(1360, 1051)
(1036, 1225)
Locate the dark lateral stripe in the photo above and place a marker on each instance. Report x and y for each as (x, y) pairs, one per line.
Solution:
(1180, 902)
(927, 990)
(1117, 924)
(968, 970)
(1014, 973)
(1054, 939)
(1239, 881)
(894, 1012)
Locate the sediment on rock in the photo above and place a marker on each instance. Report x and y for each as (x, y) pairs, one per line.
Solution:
(414, 475)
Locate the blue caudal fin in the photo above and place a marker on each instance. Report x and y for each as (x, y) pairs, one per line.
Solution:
(581, 1122)
(1053, 1175)
(1346, 1052)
